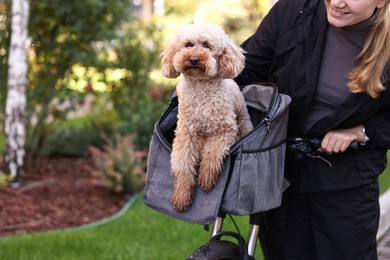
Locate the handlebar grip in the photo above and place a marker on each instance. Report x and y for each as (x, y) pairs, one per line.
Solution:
(353, 146)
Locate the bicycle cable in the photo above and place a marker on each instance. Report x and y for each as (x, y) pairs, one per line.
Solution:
(235, 224)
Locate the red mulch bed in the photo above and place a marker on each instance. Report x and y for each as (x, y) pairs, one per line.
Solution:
(58, 193)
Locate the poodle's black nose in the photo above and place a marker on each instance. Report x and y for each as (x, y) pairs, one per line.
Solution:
(194, 60)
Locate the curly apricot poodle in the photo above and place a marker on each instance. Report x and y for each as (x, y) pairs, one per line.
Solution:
(212, 112)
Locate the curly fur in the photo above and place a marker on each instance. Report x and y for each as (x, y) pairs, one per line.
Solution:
(212, 112)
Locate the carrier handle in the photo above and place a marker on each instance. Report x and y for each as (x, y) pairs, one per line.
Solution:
(272, 104)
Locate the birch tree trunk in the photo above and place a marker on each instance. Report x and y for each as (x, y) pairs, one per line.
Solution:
(15, 130)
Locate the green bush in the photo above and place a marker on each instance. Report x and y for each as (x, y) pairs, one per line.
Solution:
(138, 102)
(71, 141)
(139, 119)
(72, 138)
(4, 179)
(119, 165)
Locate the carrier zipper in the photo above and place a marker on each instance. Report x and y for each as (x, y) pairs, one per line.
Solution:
(266, 122)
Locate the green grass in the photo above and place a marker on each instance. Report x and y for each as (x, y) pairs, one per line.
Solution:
(384, 180)
(141, 233)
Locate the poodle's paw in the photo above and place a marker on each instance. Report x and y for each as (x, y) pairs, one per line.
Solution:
(181, 200)
(207, 180)
(209, 171)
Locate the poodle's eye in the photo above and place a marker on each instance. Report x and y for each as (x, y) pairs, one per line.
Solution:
(206, 45)
(189, 45)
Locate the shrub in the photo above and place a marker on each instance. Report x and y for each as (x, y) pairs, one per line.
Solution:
(70, 141)
(140, 119)
(73, 137)
(119, 166)
(137, 108)
(5, 179)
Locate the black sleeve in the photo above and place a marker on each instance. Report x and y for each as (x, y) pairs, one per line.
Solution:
(259, 50)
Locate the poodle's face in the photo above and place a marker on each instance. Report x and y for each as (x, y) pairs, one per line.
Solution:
(197, 57)
(202, 51)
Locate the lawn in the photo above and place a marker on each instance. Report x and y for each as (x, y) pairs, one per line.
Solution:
(384, 178)
(140, 233)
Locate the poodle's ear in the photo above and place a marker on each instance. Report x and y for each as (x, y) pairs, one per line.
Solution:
(168, 69)
(232, 61)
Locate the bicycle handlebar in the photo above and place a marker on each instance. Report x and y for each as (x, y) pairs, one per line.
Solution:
(304, 148)
(314, 143)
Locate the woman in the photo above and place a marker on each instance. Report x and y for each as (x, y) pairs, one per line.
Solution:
(332, 58)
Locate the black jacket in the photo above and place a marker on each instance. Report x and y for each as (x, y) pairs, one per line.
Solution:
(287, 49)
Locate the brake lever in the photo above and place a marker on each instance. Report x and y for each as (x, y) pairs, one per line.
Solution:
(316, 142)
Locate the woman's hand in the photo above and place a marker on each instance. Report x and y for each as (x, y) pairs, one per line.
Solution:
(338, 141)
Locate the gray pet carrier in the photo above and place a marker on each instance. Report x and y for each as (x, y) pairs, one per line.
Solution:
(252, 178)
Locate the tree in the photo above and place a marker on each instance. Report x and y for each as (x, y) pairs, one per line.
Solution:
(5, 7)
(15, 131)
(64, 35)
(95, 36)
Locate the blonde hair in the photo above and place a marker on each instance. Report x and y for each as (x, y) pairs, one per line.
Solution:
(366, 77)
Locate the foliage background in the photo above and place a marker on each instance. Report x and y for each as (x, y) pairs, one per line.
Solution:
(94, 66)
